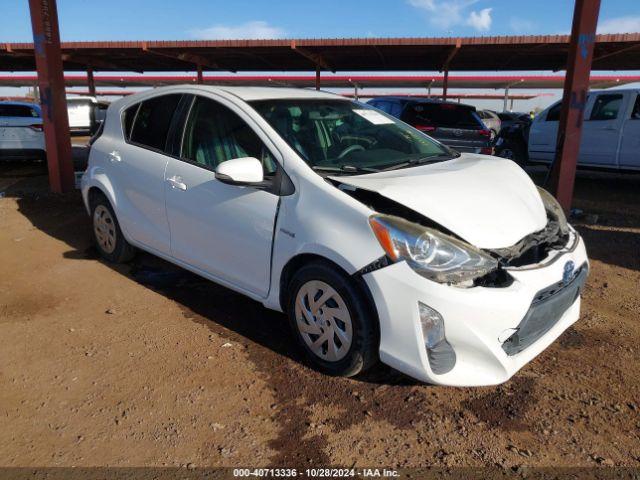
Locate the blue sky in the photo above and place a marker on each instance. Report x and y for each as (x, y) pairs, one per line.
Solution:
(214, 19)
(188, 19)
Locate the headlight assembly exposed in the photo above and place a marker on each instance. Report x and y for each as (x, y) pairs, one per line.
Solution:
(554, 210)
(432, 254)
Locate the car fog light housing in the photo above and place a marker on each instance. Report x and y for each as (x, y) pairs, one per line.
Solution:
(441, 356)
(432, 325)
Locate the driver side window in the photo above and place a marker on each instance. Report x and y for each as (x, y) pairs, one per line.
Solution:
(214, 134)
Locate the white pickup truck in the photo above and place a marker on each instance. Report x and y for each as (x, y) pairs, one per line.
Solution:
(610, 131)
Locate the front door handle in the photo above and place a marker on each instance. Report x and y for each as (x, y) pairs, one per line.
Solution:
(115, 156)
(176, 182)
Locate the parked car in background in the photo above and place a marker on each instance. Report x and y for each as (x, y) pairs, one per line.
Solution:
(456, 125)
(21, 134)
(509, 118)
(85, 114)
(377, 241)
(513, 139)
(491, 120)
(610, 131)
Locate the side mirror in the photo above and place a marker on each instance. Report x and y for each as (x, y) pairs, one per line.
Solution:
(240, 171)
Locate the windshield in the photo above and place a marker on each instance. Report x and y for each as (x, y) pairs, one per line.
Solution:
(342, 135)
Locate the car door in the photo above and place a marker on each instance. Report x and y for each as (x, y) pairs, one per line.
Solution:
(601, 130)
(137, 169)
(629, 156)
(544, 133)
(225, 231)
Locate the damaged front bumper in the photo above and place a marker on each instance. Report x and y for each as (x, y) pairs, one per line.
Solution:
(491, 332)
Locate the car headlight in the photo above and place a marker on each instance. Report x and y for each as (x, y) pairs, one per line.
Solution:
(432, 254)
(554, 210)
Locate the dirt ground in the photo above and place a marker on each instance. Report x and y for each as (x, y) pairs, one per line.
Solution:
(147, 365)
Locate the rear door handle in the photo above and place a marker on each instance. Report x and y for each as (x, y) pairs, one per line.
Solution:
(115, 156)
(176, 182)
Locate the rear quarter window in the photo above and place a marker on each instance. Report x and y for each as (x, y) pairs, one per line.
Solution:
(127, 120)
(152, 122)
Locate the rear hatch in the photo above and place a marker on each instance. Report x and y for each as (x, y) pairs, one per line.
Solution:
(457, 126)
(19, 122)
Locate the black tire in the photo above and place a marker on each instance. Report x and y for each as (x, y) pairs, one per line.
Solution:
(123, 250)
(513, 150)
(363, 352)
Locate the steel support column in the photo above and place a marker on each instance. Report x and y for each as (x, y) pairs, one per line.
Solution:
(445, 84)
(91, 82)
(576, 86)
(46, 40)
(317, 78)
(200, 77)
(505, 103)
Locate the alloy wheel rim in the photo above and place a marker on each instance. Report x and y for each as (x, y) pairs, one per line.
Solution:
(323, 320)
(104, 228)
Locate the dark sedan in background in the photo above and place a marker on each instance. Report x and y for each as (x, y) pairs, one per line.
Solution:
(456, 125)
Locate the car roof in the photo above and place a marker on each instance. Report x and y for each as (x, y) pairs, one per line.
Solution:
(269, 93)
(422, 100)
(23, 104)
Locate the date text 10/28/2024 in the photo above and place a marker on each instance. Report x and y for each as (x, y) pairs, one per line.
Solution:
(316, 472)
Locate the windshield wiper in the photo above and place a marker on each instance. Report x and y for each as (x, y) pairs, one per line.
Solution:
(345, 169)
(422, 161)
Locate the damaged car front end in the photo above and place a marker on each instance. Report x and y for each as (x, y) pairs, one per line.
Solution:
(458, 314)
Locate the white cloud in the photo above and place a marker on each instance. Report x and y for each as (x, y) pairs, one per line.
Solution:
(426, 4)
(448, 13)
(249, 30)
(628, 24)
(481, 20)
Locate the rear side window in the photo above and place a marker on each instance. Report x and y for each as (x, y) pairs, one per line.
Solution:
(442, 115)
(18, 111)
(127, 120)
(153, 120)
(606, 107)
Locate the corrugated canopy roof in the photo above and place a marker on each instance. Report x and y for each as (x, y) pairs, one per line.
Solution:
(543, 52)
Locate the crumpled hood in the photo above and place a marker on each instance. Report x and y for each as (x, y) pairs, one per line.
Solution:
(488, 201)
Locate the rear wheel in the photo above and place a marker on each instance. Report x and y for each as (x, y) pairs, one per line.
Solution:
(332, 320)
(108, 237)
(513, 150)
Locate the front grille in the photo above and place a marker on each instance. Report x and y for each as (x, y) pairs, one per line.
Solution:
(546, 309)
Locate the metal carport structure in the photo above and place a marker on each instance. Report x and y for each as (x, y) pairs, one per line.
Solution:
(576, 53)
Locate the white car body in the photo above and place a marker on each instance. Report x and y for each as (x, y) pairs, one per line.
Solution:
(179, 211)
(610, 136)
(21, 135)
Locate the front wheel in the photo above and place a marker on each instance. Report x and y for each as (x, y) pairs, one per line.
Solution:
(332, 320)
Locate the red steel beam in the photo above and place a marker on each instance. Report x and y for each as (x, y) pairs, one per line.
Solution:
(91, 83)
(46, 37)
(583, 36)
(199, 72)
